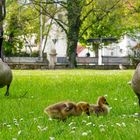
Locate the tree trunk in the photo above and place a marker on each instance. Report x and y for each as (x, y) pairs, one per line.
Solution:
(96, 52)
(2, 16)
(95, 47)
(74, 23)
(1, 39)
(71, 52)
(72, 41)
(1, 30)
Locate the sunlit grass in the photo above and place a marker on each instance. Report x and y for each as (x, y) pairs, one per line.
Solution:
(22, 116)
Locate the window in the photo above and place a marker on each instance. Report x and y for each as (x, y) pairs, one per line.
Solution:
(121, 50)
(112, 53)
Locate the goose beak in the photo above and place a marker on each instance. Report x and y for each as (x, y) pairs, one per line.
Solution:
(106, 103)
(88, 113)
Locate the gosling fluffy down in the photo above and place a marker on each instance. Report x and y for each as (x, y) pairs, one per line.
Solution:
(101, 108)
(5, 76)
(62, 110)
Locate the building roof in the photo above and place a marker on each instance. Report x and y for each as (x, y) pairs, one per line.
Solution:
(137, 46)
(80, 49)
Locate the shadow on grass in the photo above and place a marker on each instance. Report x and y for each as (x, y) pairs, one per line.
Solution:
(17, 96)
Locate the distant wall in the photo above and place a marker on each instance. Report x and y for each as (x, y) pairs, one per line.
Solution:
(106, 60)
(62, 62)
(26, 63)
(110, 60)
(21, 59)
(80, 60)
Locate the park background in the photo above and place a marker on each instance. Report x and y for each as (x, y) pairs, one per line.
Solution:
(77, 35)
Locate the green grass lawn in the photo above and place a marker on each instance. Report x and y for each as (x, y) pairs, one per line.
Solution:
(22, 117)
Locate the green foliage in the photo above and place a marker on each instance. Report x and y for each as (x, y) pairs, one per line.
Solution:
(29, 17)
(108, 26)
(79, 19)
(14, 29)
(22, 117)
(116, 22)
(89, 19)
(21, 22)
(13, 48)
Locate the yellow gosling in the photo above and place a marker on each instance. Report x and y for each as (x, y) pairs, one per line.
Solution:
(101, 108)
(62, 110)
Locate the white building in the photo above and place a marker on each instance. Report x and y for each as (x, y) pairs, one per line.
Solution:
(120, 49)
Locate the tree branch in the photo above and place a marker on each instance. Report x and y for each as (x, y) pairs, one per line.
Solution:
(81, 34)
(2, 10)
(46, 37)
(58, 21)
(98, 18)
(134, 7)
(61, 3)
(83, 19)
(88, 3)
